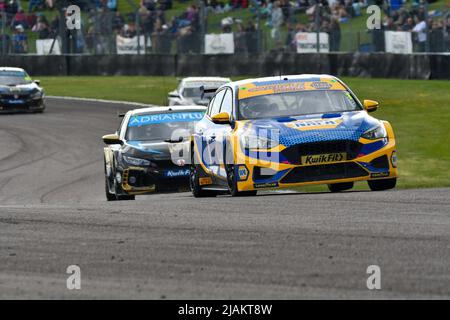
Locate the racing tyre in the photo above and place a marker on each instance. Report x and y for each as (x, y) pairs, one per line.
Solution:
(232, 184)
(380, 185)
(337, 187)
(109, 196)
(194, 183)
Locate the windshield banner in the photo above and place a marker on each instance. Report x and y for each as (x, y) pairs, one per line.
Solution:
(259, 89)
(148, 119)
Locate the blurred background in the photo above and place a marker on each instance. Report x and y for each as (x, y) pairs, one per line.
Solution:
(110, 27)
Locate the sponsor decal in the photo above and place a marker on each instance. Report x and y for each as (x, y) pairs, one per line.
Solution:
(177, 173)
(205, 181)
(316, 123)
(323, 158)
(320, 85)
(266, 185)
(148, 119)
(279, 87)
(380, 174)
(242, 172)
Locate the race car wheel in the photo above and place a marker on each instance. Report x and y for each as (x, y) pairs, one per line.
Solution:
(337, 187)
(232, 184)
(380, 185)
(194, 183)
(109, 196)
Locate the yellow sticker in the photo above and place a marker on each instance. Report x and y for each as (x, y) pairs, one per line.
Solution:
(205, 181)
(252, 90)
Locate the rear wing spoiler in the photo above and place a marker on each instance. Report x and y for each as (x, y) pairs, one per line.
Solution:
(204, 90)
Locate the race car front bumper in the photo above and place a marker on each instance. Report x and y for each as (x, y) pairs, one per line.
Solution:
(21, 105)
(141, 180)
(369, 165)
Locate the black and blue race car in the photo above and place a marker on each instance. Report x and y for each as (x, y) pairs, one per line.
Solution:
(19, 93)
(150, 152)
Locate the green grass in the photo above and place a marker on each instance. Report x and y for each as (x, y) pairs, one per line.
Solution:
(418, 110)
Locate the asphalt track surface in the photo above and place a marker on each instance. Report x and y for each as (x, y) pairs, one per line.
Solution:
(53, 214)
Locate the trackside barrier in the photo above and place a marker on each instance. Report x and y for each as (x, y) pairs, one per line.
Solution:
(377, 65)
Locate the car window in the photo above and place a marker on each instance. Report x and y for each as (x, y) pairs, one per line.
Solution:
(227, 103)
(217, 103)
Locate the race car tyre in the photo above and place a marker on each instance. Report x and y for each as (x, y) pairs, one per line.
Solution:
(194, 183)
(337, 187)
(380, 185)
(232, 184)
(109, 196)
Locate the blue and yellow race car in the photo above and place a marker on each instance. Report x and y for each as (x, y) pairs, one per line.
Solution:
(288, 131)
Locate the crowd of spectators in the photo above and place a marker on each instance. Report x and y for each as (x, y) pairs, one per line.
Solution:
(430, 30)
(102, 22)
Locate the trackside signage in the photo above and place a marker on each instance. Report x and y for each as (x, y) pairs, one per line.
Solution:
(143, 120)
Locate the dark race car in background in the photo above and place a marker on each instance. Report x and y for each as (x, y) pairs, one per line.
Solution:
(19, 93)
(150, 152)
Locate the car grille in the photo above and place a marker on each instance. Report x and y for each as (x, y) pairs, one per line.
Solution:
(293, 154)
(15, 96)
(380, 162)
(325, 172)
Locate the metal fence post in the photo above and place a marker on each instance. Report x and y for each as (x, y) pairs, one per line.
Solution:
(317, 24)
(4, 37)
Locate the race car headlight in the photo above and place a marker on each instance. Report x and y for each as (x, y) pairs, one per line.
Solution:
(255, 142)
(37, 95)
(375, 133)
(136, 161)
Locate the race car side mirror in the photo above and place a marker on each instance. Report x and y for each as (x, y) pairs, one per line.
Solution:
(112, 139)
(370, 105)
(38, 82)
(174, 95)
(221, 118)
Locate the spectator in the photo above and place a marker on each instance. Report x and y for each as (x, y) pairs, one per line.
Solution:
(335, 35)
(112, 5)
(19, 40)
(420, 29)
(32, 4)
(42, 28)
(117, 22)
(277, 22)
(409, 25)
(19, 19)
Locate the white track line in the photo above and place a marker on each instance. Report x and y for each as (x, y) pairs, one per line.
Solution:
(103, 101)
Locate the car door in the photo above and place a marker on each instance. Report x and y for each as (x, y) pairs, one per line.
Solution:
(223, 131)
(211, 152)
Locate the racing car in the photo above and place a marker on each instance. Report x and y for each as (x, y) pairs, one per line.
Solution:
(288, 131)
(19, 93)
(189, 92)
(148, 153)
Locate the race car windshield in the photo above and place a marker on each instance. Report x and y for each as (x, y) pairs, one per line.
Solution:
(8, 78)
(161, 127)
(193, 93)
(297, 103)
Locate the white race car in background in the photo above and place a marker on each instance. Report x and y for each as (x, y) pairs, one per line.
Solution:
(189, 92)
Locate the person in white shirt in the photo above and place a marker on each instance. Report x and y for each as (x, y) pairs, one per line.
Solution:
(421, 30)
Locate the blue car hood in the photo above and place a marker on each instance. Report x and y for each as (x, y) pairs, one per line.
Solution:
(314, 128)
